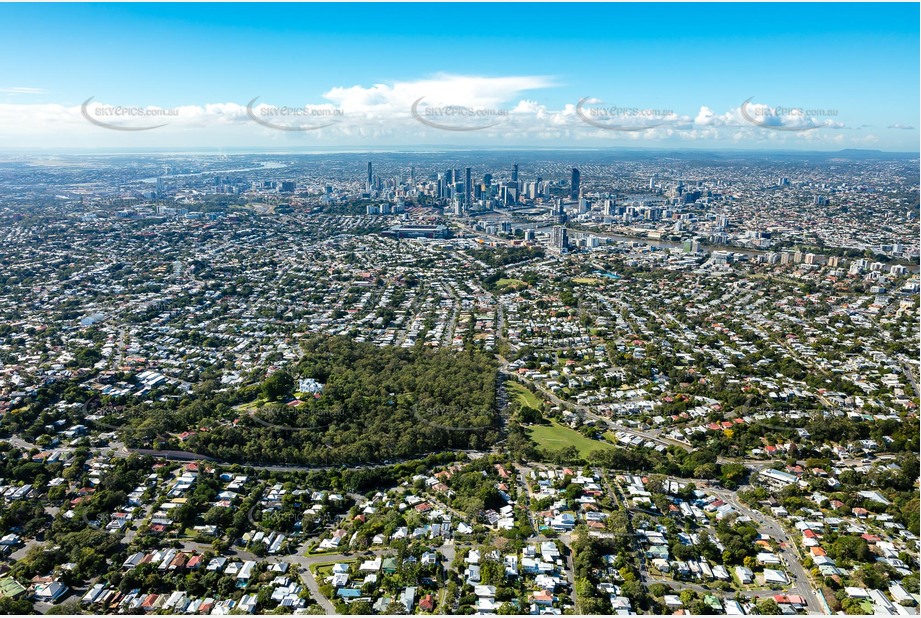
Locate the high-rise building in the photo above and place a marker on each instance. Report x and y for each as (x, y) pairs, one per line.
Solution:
(559, 211)
(370, 177)
(468, 186)
(575, 184)
(515, 173)
(558, 238)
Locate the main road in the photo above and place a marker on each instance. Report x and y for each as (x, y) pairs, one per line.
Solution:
(800, 583)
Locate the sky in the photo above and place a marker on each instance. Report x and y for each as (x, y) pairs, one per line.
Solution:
(318, 77)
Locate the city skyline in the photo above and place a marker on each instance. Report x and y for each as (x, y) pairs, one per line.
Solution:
(530, 309)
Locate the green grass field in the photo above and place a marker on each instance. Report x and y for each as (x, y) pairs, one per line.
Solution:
(512, 283)
(586, 280)
(556, 437)
(524, 396)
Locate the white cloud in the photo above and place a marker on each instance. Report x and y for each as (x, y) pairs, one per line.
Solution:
(380, 115)
(441, 90)
(22, 90)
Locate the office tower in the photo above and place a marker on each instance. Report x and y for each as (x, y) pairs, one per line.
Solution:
(487, 180)
(559, 211)
(515, 173)
(558, 238)
(370, 177)
(468, 185)
(531, 190)
(575, 184)
(287, 186)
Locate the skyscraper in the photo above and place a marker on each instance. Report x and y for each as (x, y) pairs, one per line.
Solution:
(468, 186)
(515, 173)
(370, 177)
(575, 184)
(558, 238)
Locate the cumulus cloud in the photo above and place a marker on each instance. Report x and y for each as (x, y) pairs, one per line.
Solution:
(460, 110)
(441, 90)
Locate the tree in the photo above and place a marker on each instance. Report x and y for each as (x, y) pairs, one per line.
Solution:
(67, 608)
(767, 607)
(360, 608)
(849, 547)
(278, 385)
(10, 606)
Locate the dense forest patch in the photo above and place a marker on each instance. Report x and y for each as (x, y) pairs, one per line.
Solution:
(376, 404)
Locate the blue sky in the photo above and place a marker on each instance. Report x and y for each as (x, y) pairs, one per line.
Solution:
(852, 68)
